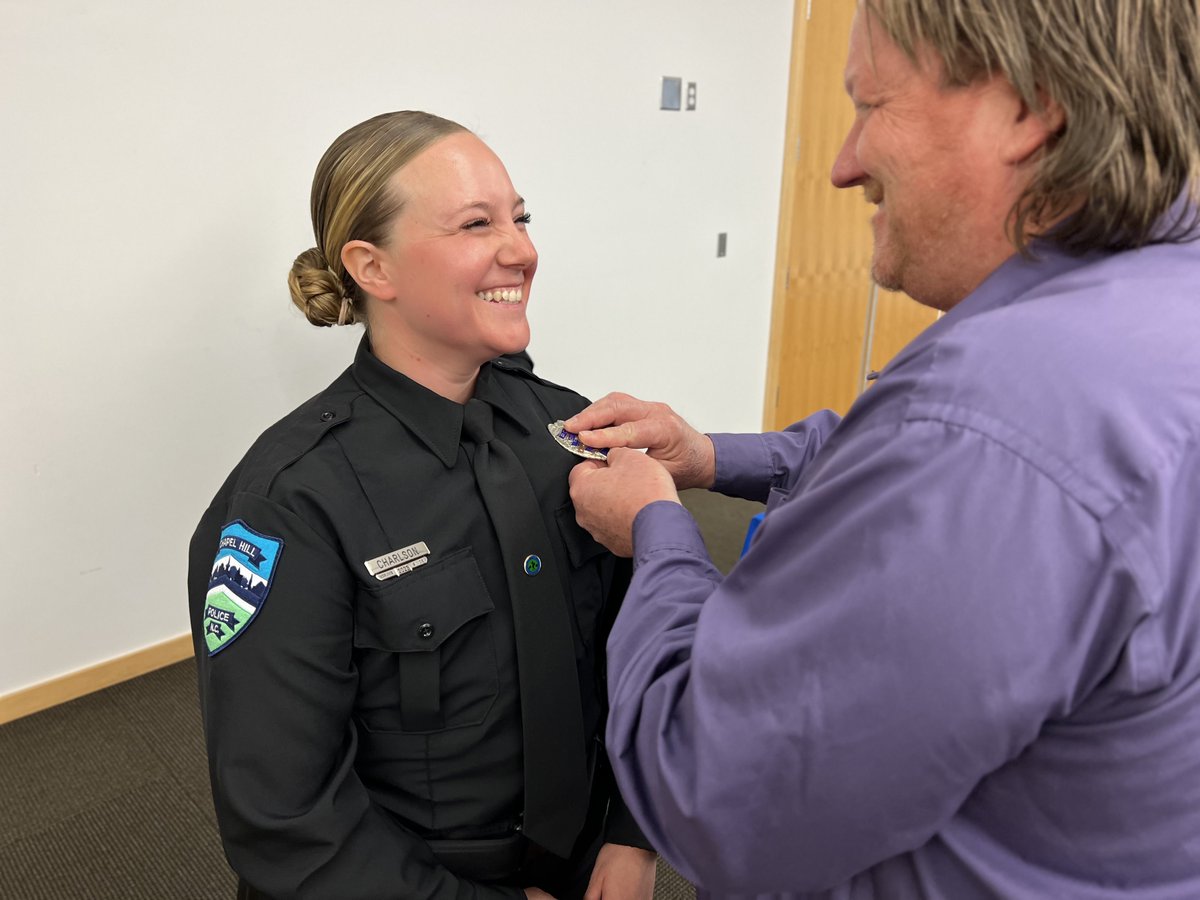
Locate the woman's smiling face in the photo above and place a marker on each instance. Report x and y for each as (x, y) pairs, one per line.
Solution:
(458, 261)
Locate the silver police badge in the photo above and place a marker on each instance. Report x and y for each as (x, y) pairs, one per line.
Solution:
(569, 440)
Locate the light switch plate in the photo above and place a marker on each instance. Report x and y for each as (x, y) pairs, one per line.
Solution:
(672, 89)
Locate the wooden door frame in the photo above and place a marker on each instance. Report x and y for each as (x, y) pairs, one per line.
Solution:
(890, 321)
(787, 199)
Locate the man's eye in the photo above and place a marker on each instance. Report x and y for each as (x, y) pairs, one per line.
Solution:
(524, 219)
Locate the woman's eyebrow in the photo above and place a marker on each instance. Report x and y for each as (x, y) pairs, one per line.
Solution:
(472, 204)
(483, 204)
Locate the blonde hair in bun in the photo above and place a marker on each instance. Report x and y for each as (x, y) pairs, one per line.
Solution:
(352, 200)
(318, 292)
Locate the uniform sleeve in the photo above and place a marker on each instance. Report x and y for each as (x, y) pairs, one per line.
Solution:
(897, 631)
(621, 828)
(295, 820)
(750, 465)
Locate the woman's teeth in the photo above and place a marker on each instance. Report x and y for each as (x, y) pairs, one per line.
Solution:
(507, 295)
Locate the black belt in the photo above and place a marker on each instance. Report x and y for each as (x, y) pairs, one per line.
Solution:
(497, 857)
(484, 859)
(499, 853)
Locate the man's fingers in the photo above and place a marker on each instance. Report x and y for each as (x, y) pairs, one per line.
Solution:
(583, 470)
(656, 432)
(628, 434)
(620, 455)
(610, 409)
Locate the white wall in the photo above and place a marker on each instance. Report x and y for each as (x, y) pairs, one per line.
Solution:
(155, 160)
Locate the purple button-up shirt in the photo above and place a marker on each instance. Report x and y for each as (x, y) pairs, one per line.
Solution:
(961, 658)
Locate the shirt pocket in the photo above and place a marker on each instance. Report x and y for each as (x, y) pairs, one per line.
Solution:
(427, 656)
(588, 574)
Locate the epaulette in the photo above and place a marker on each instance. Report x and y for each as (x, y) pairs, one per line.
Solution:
(296, 434)
(548, 405)
(515, 368)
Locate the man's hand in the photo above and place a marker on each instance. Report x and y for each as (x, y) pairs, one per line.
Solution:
(536, 894)
(619, 420)
(607, 498)
(622, 873)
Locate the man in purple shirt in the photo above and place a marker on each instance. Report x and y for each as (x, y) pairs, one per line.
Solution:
(961, 658)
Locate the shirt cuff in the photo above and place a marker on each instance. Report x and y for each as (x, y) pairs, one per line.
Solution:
(743, 466)
(665, 525)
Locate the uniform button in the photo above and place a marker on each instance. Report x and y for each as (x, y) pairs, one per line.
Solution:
(533, 564)
(327, 416)
(425, 630)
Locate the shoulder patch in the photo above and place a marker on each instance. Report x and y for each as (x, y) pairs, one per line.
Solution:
(241, 578)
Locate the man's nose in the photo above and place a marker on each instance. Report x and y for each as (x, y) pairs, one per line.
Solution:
(847, 172)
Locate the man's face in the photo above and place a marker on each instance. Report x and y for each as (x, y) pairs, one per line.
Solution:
(929, 158)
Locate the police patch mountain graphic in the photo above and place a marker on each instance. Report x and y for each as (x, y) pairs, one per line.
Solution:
(241, 577)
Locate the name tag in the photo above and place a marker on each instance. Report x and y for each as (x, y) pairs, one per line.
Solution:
(398, 561)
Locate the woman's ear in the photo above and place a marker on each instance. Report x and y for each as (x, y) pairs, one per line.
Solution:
(365, 263)
(1033, 129)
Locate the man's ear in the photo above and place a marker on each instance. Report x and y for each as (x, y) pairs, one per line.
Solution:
(364, 261)
(1032, 129)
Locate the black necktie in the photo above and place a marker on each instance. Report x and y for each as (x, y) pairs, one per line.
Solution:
(556, 784)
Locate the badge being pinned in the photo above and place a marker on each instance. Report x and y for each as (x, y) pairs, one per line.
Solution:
(569, 440)
(241, 577)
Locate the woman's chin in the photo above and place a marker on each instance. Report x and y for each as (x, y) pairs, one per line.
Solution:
(512, 342)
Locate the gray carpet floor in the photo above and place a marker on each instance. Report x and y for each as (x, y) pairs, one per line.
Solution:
(107, 797)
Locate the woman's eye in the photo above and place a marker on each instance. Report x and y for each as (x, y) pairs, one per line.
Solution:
(478, 223)
(524, 219)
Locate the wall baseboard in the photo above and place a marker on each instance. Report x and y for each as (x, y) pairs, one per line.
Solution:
(94, 678)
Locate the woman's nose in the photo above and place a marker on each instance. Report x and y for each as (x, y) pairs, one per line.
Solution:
(517, 251)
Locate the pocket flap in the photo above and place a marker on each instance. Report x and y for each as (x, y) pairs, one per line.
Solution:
(422, 608)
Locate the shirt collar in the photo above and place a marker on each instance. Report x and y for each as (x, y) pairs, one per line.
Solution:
(1016, 276)
(1044, 262)
(1009, 281)
(432, 418)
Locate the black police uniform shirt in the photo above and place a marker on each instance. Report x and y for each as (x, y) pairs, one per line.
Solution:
(321, 786)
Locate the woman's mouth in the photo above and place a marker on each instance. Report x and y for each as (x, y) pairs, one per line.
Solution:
(501, 295)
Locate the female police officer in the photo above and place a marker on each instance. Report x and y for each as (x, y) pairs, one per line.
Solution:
(399, 625)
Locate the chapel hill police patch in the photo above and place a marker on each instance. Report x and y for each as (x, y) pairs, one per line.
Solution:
(241, 578)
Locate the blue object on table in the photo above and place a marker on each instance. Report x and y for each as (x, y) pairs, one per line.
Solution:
(753, 527)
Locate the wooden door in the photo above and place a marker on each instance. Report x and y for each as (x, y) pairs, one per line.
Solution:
(828, 326)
